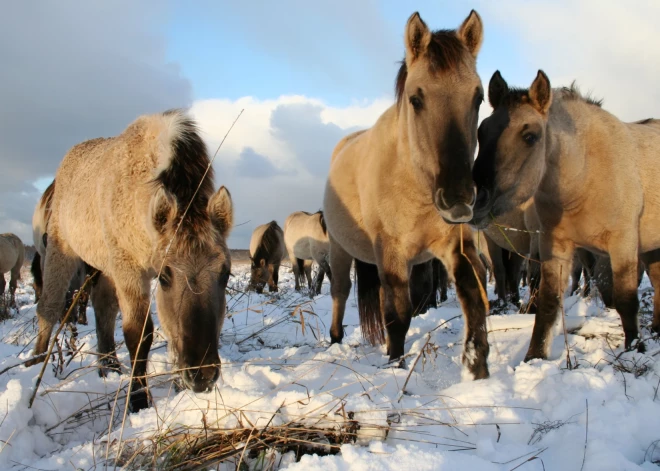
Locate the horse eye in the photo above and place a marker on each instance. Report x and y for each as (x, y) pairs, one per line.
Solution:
(530, 138)
(224, 277)
(165, 278)
(416, 103)
(480, 100)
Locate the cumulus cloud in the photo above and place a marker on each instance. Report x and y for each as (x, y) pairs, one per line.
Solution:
(276, 158)
(72, 71)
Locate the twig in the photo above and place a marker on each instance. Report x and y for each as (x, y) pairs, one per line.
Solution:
(586, 436)
(54, 341)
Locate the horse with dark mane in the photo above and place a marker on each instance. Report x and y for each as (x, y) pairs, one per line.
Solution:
(398, 193)
(594, 180)
(267, 249)
(136, 207)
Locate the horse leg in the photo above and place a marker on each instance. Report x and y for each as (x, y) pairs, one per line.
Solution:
(3, 284)
(296, 270)
(133, 293)
(105, 304)
(576, 273)
(534, 273)
(603, 277)
(274, 278)
(13, 283)
(470, 276)
(652, 262)
(318, 283)
(557, 258)
(340, 288)
(513, 271)
(499, 270)
(395, 303)
(421, 287)
(59, 267)
(308, 273)
(625, 263)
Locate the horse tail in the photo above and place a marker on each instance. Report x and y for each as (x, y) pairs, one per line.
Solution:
(368, 294)
(35, 268)
(301, 270)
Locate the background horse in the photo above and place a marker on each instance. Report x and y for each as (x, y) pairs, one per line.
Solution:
(397, 193)
(39, 236)
(306, 240)
(267, 249)
(138, 206)
(594, 182)
(12, 254)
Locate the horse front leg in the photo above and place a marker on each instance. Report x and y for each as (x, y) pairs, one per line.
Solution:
(652, 262)
(340, 288)
(556, 261)
(106, 306)
(133, 291)
(625, 263)
(470, 280)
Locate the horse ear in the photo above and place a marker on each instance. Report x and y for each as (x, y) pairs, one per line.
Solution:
(163, 210)
(417, 38)
(221, 211)
(540, 93)
(497, 89)
(471, 33)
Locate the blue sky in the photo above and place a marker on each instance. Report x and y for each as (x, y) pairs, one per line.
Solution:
(305, 72)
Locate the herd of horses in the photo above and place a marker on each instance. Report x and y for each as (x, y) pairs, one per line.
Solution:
(559, 187)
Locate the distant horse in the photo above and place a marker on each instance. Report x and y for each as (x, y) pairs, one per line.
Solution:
(398, 192)
(138, 206)
(12, 254)
(39, 234)
(594, 180)
(306, 240)
(267, 249)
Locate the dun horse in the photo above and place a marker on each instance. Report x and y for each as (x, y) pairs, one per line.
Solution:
(39, 234)
(594, 181)
(306, 240)
(138, 206)
(398, 192)
(267, 249)
(12, 254)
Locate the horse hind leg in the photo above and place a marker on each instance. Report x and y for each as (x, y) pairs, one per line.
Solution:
(105, 304)
(59, 267)
(652, 262)
(626, 301)
(13, 282)
(308, 273)
(340, 288)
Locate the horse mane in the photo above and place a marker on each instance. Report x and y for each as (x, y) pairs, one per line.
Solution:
(516, 96)
(187, 170)
(445, 52)
(573, 93)
(646, 121)
(46, 200)
(268, 242)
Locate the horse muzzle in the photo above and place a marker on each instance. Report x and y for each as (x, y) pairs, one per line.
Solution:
(201, 379)
(454, 212)
(481, 211)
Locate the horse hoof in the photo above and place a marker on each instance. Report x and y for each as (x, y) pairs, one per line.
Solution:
(139, 400)
(109, 366)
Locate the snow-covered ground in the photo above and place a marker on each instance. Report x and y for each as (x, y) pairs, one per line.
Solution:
(278, 368)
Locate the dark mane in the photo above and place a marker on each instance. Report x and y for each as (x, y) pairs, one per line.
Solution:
(189, 164)
(268, 242)
(573, 93)
(645, 121)
(516, 96)
(445, 52)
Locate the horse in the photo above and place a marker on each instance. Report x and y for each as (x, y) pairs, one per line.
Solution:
(267, 249)
(594, 182)
(12, 254)
(306, 241)
(397, 194)
(40, 239)
(139, 206)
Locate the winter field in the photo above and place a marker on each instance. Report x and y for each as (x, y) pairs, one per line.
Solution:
(289, 400)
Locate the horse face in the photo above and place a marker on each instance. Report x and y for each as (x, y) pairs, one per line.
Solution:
(191, 293)
(439, 94)
(512, 147)
(260, 273)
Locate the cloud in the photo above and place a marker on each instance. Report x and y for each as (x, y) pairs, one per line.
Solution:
(275, 159)
(72, 71)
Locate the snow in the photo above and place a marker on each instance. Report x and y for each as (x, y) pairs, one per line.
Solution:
(278, 366)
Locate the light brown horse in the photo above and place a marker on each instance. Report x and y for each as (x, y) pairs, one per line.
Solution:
(306, 240)
(12, 254)
(267, 249)
(594, 180)
(137, 206)
(397, 193)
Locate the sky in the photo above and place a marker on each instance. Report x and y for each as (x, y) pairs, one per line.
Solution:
(305, 74)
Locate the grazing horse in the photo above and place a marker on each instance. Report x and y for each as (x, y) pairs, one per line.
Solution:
(39, 234)
(397, 193)
(594, 182)
(306, 240)
(267, 249)
(12, 254)
(138, 206)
